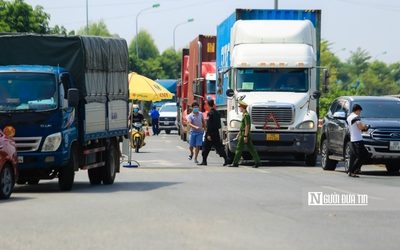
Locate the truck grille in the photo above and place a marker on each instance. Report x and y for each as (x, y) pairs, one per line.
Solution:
(283, 114)
(386, 134)
(27, 144)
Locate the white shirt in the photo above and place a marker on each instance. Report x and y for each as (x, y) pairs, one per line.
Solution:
(355, 133)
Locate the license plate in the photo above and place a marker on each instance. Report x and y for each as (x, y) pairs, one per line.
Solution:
(272, 137)
(395, 145)
(20, 159)
(166, 122)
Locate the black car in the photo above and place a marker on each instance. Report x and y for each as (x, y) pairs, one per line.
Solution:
(382, 139)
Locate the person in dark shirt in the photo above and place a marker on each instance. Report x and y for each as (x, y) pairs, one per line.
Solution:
(212, 135)
(136, 117)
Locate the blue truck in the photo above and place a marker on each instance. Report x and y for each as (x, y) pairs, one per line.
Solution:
(65, 100)
(258, 51)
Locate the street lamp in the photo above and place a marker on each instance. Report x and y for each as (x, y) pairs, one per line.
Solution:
(188, 21)
(339, 50)
(137, 38)
(384, 52)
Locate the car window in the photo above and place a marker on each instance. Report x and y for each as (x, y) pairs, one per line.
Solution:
(380, 109)
(333, 107)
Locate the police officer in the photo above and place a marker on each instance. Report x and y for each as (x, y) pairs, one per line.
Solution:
(244, 138)
(212, 135)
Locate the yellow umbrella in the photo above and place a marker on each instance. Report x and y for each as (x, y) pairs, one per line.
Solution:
(144, 89)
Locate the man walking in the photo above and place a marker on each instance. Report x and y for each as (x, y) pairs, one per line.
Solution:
(244, 138)
(212, 135)
(155, 120)
(355, 128)
(197, 125)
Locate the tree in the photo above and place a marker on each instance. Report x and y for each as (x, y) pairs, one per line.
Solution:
(146, 46)
(18, 16)
(96, 29)
(359, 60)
(170, 62)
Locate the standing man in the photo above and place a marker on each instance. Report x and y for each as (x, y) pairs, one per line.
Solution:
(244, 138)
(197, 125)
(212, 135)
(155, 120)
(355, 128)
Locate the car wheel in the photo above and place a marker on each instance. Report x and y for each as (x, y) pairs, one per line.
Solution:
(167, 131)
(6, 182)
(392, 167)
(326, 163)
(349, 157)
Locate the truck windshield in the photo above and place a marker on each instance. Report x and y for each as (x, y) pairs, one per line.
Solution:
(27, 91)
(277, 80)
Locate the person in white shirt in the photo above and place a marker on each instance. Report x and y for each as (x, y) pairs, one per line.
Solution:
(355, 128)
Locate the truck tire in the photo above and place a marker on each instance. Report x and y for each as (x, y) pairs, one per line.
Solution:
(326, 163)
(6, 181)
(66, 174)
(392, 167)
(137, 144)
(229, 154)
(247, 156)
(95, 176)
(112, 161)
(311, 160)
(349, 156)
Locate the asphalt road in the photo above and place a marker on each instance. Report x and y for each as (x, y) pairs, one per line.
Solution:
(169, 202)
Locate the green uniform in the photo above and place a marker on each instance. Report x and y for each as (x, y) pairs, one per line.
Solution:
(238, 153)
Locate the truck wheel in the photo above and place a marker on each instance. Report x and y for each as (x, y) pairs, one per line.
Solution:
(311, 160)
(349, 157)
(67, 173)
(6, 182)
(112, 161)
(392, 167)
(95, 176)
(326, 163)
(229, 153)
(137, 144)
(168, 131)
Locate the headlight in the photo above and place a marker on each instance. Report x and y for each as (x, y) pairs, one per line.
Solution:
(234, 124)
(306, 125)
(52, 142)
(367, 133)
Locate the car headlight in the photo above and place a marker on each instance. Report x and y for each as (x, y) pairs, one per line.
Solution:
(234, 124)
(52, 142)
(367, 133)
(306, 125)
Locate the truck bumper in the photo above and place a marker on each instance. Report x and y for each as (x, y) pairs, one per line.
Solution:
(287, 143)
(38, 160)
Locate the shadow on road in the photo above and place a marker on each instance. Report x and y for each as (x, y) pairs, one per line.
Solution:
(86, 187)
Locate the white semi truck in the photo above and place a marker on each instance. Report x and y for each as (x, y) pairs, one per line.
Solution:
(270, 60)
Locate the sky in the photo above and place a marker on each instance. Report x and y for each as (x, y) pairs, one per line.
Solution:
(346, 24)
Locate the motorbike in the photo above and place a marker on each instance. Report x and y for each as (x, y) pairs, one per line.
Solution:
(137, 136)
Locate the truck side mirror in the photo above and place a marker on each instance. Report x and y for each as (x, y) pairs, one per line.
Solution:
(326, 75)
(73, 97)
